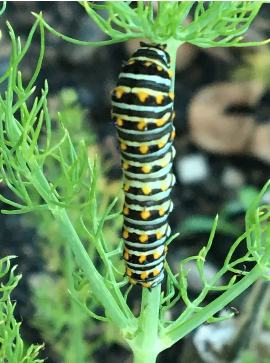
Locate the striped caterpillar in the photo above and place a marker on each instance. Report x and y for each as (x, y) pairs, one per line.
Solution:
(142, 108)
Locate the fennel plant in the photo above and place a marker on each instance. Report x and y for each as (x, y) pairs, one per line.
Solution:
(12, 347)
(24, 159)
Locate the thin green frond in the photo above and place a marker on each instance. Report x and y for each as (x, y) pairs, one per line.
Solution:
(215, 24)
(3, 8)
(12, 347)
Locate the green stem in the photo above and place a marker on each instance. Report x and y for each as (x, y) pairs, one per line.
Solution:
(117, 39)
(69, 234)
(173, 45)
(76, 347)
(145, 358)
(176, 332)
(97, 285)
(3, 8)
(146, 345)
(148, 320)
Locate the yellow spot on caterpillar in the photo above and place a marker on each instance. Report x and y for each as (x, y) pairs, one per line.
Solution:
(148, 64)
(145, 214)
(119, 92)
(141, 125)
(143, 238)
(144, 275)
(125, 166)
(142, 259)
(171, 59)
(146, 169)
(146, 284)
(161, 212)
(111, 91)
(156, 255)
(161, 122)
(119, 121)
(159, 99)
(126, 255)
(164, 187)
(159, 235)
(132, 281)
(170, 73)
(161, 144)
(126, 187)
(125, 234)
(126, 210)
(159, 68)
(142, 95)
(123, 146)
(173, 135)
(128, 271)
(165, 264)
(164, 165)
(146, 190)
(131, 62)
(144, 149)
(166, 249)
(173, 115)
(171, 95)
(156, 272)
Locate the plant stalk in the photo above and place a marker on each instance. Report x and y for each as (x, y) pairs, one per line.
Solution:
(176, 332)
(68, 232)
(77, 347)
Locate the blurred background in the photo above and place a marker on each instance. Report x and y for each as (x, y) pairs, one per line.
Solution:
(222, 161)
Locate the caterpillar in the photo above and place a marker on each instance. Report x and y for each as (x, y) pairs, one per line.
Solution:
(142, 109)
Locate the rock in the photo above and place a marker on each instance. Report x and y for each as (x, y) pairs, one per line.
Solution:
(217, 129)
(192, 168)
(232, 177)
(260, 143)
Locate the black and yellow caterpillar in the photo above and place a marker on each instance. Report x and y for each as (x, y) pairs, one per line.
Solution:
(142, 108)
